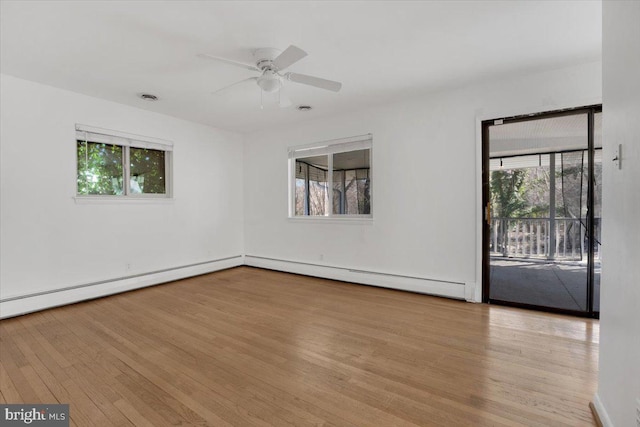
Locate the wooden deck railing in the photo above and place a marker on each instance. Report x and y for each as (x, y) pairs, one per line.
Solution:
(539, 238)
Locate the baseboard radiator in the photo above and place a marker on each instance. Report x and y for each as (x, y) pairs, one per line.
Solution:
(444, 288)
(27, 303)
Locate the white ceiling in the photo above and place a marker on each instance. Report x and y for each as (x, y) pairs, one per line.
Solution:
(379, 50)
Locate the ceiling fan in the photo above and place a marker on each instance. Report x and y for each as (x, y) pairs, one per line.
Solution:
(270, 63)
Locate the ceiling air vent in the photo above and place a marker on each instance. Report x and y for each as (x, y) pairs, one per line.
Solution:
(148, 97)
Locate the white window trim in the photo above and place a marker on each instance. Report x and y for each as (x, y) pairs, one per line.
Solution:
(328, 148)
(110, 200)
(115, 137)
(129, 140)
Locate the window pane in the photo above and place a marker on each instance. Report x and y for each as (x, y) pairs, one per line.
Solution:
(353, 167)
(318, 191)
(301, 188)
(100, 169)
(147, 171)
(313, 200)
(338, 193)
(364, 194)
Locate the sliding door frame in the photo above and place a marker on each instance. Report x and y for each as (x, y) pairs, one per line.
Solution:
(590, 111)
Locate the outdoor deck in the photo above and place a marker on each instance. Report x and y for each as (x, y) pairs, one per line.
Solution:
(557, 284)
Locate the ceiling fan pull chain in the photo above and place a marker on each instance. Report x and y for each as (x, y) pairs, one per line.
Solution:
(261, 92)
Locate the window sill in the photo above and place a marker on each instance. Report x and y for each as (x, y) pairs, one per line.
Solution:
(109, 200)
(362, 220)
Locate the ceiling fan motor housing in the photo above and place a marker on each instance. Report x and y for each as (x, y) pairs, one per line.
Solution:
(269, 81)
(264, 57)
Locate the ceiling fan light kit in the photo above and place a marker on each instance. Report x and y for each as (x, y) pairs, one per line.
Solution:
(269, 63)
(269, 81)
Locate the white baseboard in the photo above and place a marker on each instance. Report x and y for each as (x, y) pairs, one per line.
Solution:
(602, 412)
(23, 304)
(386, 280)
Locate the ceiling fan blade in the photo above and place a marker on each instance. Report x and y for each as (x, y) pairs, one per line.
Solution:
(315, 81)
(284, 100)
(230, 62)
(290, 56)
(234, 84)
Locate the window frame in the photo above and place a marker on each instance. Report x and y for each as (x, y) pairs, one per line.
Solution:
(329, 148)
(126, 141)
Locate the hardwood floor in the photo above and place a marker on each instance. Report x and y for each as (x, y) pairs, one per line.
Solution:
(250, 347)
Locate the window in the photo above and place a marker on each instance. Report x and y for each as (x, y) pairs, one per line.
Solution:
(331, 179)
(111, 163)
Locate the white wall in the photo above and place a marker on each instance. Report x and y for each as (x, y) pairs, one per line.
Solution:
(48, 241)
(619, 376)
(422, 228)
(425, 174)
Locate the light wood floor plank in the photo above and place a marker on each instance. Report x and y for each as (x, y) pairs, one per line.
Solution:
(251, 347)
(9, 391)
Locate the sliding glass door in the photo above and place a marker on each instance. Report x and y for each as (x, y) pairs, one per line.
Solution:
(542, 192)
